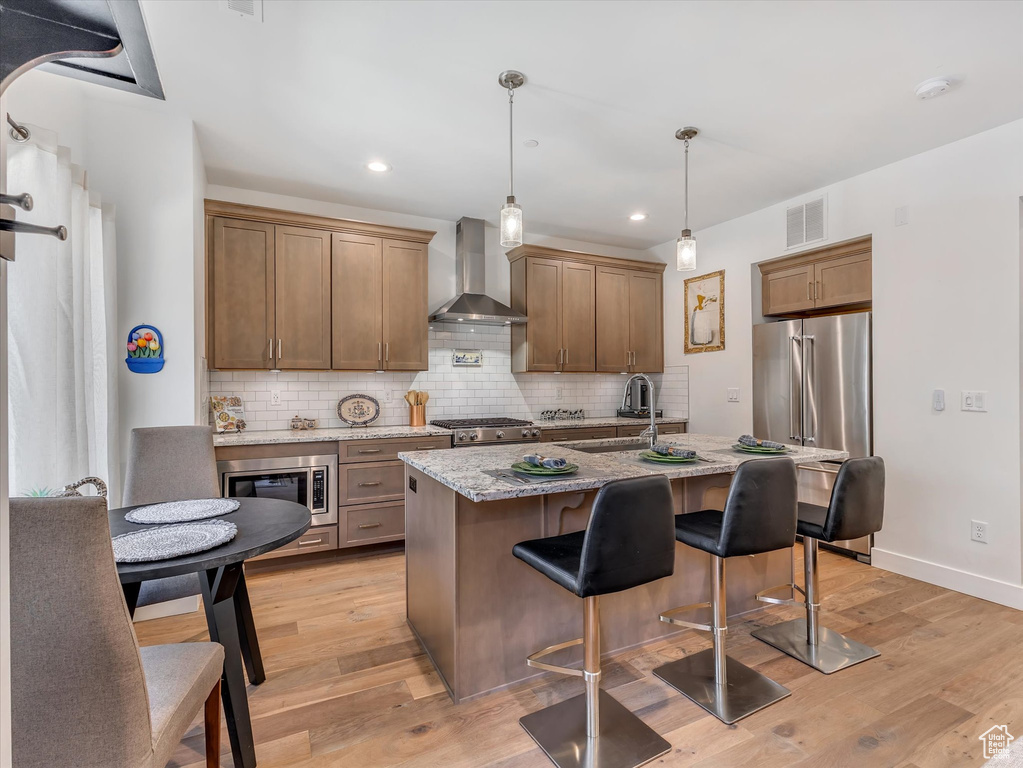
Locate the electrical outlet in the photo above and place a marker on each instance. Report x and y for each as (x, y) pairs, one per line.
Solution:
(978, 531)
(733, 394)
(275, 398)
(974, 400)
(559, 393)
(902, 216)
(388, 395)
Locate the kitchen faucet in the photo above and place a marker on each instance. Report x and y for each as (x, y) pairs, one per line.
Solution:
(651, 431)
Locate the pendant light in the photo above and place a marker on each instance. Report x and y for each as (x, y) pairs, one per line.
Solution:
(511, 212)
(685, 248)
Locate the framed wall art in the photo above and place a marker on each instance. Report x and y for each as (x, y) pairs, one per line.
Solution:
(705, 313)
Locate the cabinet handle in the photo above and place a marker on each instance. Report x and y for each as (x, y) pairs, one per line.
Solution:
(369, 450)
(425, 447)
(307, 542)
(380, 354)
(566, 356)
(370, 484)
(387, 352)
(560, 440)
(816, 290)
(560, 353)
(271, 353)
(809, 287)
(369, 525)
(279, 355)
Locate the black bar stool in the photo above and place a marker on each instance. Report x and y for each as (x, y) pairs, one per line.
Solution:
(759, 516)
(856, 509)
(628, 542)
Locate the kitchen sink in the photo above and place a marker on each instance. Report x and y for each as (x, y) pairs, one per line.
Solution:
(610, 448)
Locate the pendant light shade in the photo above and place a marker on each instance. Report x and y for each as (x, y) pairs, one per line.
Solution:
(511, 212)
(685, 247)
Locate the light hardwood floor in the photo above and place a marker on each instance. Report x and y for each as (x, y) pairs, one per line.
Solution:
(348, 685)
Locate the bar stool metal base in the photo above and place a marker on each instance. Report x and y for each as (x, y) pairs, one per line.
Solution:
(747, 691)
(625, 741)
(833, 651)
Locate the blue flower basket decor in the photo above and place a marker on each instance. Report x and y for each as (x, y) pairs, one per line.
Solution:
(145, 349)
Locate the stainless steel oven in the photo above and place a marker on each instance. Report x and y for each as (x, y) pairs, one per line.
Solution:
(307, 480)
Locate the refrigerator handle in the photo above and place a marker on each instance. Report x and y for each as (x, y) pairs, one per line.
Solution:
(810, 393)
(793, 425)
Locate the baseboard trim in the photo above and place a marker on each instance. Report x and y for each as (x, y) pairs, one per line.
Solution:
(984, 587)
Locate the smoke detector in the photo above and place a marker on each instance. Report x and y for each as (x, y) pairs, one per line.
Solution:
(936, 86)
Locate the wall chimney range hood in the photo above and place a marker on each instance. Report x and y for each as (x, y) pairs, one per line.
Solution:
(471, 304)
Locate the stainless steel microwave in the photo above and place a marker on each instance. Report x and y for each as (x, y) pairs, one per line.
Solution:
(307, 480)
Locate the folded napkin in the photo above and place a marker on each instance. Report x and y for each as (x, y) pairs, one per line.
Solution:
(544, 461)
(751, 442)
(675, 451)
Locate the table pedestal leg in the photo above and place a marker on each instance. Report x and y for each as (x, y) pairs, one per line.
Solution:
(247, 630)
(218, 590)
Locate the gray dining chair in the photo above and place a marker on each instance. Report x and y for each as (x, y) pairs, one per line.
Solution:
(83, 693)
(170, 464)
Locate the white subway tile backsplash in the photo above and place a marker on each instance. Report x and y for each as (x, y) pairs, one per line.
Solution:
(454, 391)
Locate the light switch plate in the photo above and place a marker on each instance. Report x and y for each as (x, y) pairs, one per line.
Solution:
(733, 394)
(902, 216)
(559, 393)
(938, 400)
(974, 400)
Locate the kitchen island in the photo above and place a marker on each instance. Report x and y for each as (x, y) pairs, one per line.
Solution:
(478, 611)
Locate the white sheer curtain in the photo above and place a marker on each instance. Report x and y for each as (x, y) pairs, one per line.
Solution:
(62, 320)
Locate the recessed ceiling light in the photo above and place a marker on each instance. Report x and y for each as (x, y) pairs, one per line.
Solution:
(377, 166)
(531, 143)
(936, 86)
(638, 216)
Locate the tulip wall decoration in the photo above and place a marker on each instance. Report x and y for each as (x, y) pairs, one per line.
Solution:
(145, 349)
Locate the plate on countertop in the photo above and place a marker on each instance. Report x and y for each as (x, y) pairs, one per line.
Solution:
(759, 449)
(358, 410)
(653, 456)
(530, 469)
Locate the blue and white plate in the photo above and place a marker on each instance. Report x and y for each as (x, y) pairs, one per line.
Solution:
(358, 410)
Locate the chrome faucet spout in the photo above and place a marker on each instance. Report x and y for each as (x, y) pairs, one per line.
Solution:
(650, 431)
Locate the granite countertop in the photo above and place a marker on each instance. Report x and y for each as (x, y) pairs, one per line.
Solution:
(462, 469)
(273, 436)
(596, 421)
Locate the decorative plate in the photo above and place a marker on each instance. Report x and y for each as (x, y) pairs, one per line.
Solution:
(358, 410)
(653, 456)
(182, 511)
(172, 541)
(758, 449)
(529, 469)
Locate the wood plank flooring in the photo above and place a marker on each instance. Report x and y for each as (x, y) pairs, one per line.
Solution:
(348, 685)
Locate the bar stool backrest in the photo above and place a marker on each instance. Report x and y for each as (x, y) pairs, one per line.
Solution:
(857, 500)
(630, 539)
(760, 513)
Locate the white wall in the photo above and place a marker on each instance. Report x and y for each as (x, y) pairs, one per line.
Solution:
(140, 155)
(946, 298)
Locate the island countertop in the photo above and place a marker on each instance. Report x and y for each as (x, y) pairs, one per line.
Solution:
(463, 469)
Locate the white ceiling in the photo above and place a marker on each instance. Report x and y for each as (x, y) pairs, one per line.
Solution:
(788, 96)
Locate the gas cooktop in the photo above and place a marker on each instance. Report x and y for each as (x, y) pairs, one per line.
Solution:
(493, 421)
(489, 430)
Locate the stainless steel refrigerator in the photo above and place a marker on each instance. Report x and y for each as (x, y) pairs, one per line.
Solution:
(812, 387)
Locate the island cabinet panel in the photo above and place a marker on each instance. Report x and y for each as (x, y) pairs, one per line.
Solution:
(578, 305)
(662, 429)
(302, 298)
(358, 302)
(302, 292)
(836, 277)
(405, 327)
(241, 293)
(571, 434)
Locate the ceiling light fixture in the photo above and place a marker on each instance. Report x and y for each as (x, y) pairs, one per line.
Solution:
(936, 86)
(511, 212)
(378, 167)
(685, 248)
(637, 216)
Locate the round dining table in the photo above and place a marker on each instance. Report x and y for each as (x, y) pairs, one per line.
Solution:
(263, 526)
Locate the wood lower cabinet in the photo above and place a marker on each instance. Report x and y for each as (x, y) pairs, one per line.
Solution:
(662, 429)
(587, 313)
(569, 434)
(302, 298)
(300, 292)
(241, 295)
(835, 277)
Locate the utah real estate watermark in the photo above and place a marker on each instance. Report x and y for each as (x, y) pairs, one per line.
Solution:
(996, 741)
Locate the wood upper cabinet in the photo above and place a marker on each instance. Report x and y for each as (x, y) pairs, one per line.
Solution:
(241, 294)
(305, 292)
(303, 284)
(405, 328)
(578, 307)
(825, 278)
(358, 302)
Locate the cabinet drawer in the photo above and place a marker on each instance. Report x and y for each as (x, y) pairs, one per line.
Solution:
(662, 429)
(373, 522)
(371, 481)
(577, 433)
(383, 450)
(318, 539)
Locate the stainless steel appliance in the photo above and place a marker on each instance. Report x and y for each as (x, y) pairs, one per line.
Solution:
(489, 431)
(812, 386)
(307, 480)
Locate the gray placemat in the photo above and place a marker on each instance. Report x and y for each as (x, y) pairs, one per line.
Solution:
(170, 541)
(512, 477)
(182, 511)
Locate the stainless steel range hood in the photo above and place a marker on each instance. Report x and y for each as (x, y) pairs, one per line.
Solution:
(471, 304)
